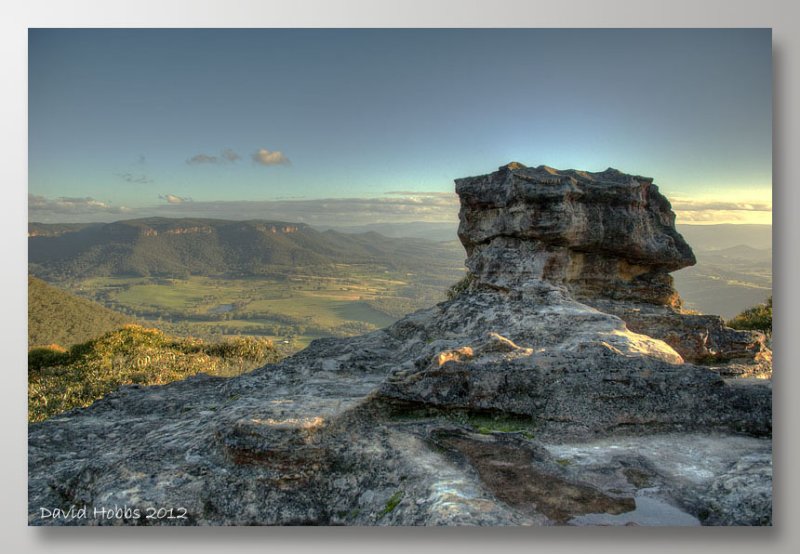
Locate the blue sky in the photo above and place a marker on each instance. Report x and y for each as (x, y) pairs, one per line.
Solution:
(232, 123)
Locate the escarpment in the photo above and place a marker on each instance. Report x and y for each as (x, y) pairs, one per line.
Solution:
(563, 386)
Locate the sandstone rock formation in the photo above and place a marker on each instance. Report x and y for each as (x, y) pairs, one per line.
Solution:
(609, 238)
(605, 234)
(702, 339)
(525, 400)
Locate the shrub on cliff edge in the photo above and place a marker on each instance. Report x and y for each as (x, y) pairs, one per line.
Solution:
(757, 318)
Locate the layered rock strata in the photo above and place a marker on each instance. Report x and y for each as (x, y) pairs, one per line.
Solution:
(608, 237)
(604, 234)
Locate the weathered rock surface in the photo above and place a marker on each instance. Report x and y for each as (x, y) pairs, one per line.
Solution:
(609, 238)
(604, 234)
(516, 403)
(575, 370)
(702, 339)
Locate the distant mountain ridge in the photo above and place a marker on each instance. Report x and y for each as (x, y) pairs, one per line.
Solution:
(734, 269)
(56, 229)
(700, 237)
(726, 235)
(435, 231)
(165, 247)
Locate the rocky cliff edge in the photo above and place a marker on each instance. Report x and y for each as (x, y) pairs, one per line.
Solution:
(563, 386)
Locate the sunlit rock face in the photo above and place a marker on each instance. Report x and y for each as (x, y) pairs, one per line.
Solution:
(609, 238)
(698, 338)
(575, 370)
(606, 234)
(544, 247)
(559, 388)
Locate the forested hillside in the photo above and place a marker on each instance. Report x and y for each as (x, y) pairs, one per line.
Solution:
(179, 248)
(58, 317)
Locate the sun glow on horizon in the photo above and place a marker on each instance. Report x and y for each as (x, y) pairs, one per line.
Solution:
(742, 207)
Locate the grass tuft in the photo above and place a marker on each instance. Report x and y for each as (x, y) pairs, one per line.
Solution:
(60, 379)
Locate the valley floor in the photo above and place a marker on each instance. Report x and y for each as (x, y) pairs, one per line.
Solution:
(291, 310)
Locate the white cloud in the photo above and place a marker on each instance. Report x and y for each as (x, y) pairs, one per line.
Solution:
(71, 205)
(173, 199)
(422, 194)
(324, 211)
(267, 157)
(394, 207)
(724, 216)
(710, 211)
(688, 205)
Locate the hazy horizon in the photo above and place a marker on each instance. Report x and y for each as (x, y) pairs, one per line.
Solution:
(320, 224)
(359, 126)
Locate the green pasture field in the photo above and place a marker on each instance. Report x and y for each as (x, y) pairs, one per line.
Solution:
(293, 309)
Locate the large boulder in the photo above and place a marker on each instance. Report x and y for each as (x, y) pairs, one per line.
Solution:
(609, 238)
(576, 371)
(604, 234)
